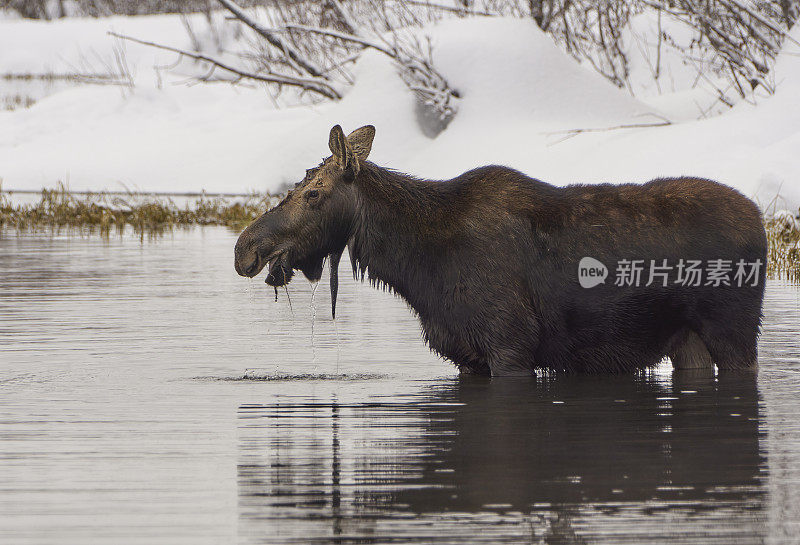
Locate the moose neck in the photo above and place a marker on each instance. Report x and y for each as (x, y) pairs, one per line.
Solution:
(396, 220)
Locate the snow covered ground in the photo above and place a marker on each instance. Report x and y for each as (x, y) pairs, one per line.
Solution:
(520, 98)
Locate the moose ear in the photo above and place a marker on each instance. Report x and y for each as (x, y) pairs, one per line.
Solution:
(342, 151)
(361, 141)
(338, 143)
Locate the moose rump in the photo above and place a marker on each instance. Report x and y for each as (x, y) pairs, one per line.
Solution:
(491, 261)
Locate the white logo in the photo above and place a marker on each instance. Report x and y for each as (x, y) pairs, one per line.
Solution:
(591, 272)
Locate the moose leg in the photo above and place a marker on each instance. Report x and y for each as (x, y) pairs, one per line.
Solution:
(689, 352)
(475, 368)
(509, 363)
(732, 347)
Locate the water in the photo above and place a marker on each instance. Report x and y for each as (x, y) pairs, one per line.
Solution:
(150, 395)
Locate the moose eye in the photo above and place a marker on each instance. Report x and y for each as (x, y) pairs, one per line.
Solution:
(313, 194)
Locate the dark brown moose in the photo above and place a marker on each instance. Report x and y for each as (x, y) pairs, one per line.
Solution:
(506, 272)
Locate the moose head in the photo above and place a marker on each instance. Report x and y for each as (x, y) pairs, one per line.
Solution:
(313, 222)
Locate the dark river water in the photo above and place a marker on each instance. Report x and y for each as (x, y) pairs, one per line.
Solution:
(150, 395)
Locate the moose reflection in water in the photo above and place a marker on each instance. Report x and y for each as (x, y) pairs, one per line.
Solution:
(565, 458)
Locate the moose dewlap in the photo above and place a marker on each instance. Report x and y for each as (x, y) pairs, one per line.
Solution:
(509, 274)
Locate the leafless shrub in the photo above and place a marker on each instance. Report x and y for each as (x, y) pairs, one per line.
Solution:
(310, 45)
(592, 31)
(745, 36)
(738, 39)
(589, 30)
(50, 9)
(320, 39)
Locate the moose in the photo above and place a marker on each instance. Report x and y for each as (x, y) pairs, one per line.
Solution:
(490, 262)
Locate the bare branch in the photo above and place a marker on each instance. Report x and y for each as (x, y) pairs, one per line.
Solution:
(301, 63)
(341, 63)
(767, 23)
(613, 128)
(344, 16)
(316, 85)
(342, 36)
(569, 133)
(418, 73)
(453, 9)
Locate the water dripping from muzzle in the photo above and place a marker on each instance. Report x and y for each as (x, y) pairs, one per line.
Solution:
(314, 287)
(291, 310)
(289, 299)
(286, 276)
(334, 265)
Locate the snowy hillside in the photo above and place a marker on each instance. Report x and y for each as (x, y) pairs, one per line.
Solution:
(524, 103)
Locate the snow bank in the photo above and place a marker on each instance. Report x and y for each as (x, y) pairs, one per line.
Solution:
(161, 136)
(168, 137)
(518, 91)
(519, 96)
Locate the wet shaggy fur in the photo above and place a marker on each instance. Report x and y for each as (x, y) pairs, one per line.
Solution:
(489, 261)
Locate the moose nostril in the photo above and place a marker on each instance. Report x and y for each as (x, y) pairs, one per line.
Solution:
(245, 270)
(253, 268)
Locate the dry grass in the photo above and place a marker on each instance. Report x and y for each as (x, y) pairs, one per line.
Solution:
(104, 213)
(783, 235)
(17, 101)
